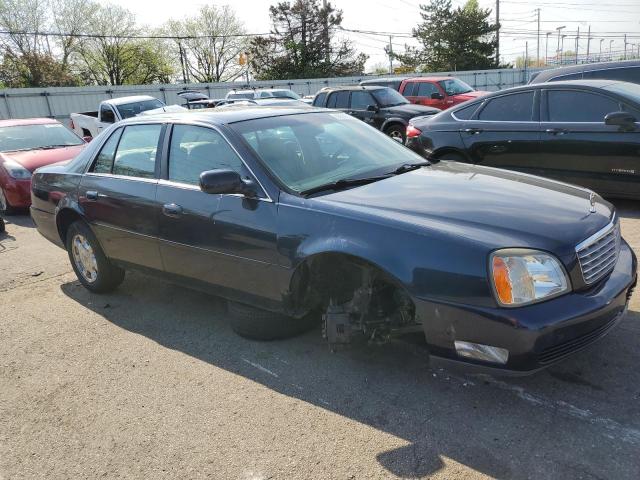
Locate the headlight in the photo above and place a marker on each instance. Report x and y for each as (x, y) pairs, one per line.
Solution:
(17, 171)
(522, 276)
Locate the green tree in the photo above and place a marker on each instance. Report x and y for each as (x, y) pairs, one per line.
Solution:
(303, 44)
(453, 39)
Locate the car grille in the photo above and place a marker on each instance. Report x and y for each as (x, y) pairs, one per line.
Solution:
(552, 354)
(598, 254)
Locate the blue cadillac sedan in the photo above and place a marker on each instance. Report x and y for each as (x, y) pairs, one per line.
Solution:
(295, 215)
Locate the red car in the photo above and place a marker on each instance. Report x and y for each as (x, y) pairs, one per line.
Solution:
(438, 92)
(26, 145)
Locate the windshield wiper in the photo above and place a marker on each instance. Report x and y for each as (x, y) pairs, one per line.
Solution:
(407, 167)
(50, 147)
(343, 183)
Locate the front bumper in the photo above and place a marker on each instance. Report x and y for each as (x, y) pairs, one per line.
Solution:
(17, 192)
(538, 335)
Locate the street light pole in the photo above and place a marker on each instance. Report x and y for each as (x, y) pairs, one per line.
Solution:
(559, 29)
(600, 54)
(546, 47)
(610, 54)
(562, 49)
(577, 44)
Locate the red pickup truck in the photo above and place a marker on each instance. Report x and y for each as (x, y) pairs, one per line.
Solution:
(438, 92)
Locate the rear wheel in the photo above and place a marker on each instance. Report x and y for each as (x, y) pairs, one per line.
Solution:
(397, 132)
(257, 324)
(92, 267)
(5, 208)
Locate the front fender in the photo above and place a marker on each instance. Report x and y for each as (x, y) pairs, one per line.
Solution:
(392, 120)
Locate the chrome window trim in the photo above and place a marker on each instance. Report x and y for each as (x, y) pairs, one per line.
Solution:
(122, 177)
(583, 71)
(190, 186)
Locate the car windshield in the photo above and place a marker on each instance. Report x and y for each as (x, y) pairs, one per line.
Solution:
(33, 137)
(453, 86)
(629, 90)
(236, 96)
(306, 151)
(284, 94)
(388, 97)
(128, 110)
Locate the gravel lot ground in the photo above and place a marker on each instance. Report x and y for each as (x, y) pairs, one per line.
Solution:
(150, 382)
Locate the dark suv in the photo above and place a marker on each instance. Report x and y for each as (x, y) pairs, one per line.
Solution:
(381, 107)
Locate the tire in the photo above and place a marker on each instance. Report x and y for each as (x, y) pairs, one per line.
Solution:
(397, 132)
(94, 270)
(257, 324)
(452, 156)
(5, 208)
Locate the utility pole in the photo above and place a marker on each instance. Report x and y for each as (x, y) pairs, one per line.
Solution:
(588, 41)
(559, 29)
(390, 55)
(538, 40)
(562, 50)
(577, 40)
(526, 58)
(498, 33)
(546, 47)
(600, 54)
(325, 34)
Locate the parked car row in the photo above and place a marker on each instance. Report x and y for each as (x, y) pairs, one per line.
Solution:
(293, 214)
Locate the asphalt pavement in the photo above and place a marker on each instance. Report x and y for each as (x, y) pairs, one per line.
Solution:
(150, 382)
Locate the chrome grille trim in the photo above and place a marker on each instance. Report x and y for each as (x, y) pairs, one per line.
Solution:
(598, 254)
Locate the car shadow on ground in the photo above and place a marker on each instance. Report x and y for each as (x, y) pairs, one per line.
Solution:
(515, 428)
(21, 220)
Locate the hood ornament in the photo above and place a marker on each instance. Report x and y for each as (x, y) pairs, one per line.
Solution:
(592, 201)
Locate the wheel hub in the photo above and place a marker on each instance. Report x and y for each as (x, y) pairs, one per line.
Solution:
(84, 258)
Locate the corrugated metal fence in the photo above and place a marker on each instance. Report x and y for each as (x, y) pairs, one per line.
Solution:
(61, 101)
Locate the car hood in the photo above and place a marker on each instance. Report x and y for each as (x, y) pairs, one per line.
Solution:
(470, 95)
(497, 208)
(411, 109)
(32, 159)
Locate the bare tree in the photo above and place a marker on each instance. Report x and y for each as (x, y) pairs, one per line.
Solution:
(209, 44)
(70, 19)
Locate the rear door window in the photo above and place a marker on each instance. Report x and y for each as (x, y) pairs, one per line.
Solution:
(136, 153)
(410, 89)
(466, 113)
(342, 99)
(517, 107)
(576, 106)
(629, 74)
(104, 160)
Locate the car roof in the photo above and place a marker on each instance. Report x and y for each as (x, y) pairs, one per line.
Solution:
(595, 84)
(226, 116)
(132, 99)
(27, 121)
(587, 67)
(430, 79)
(354, 88)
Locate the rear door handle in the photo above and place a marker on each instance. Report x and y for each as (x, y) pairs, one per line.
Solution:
(472, 131)
(172, 210)
(556, 131)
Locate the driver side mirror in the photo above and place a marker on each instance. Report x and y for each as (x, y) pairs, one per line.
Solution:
(620, 119)
(372, 108)
(437, 96)
(226, 181)
(87, 138)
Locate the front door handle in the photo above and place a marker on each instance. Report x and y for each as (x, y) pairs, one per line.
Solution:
(94, 195)
(556, 131)
(172, 210)
(472, 131)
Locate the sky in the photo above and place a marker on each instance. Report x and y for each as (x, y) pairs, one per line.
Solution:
(608, 22)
